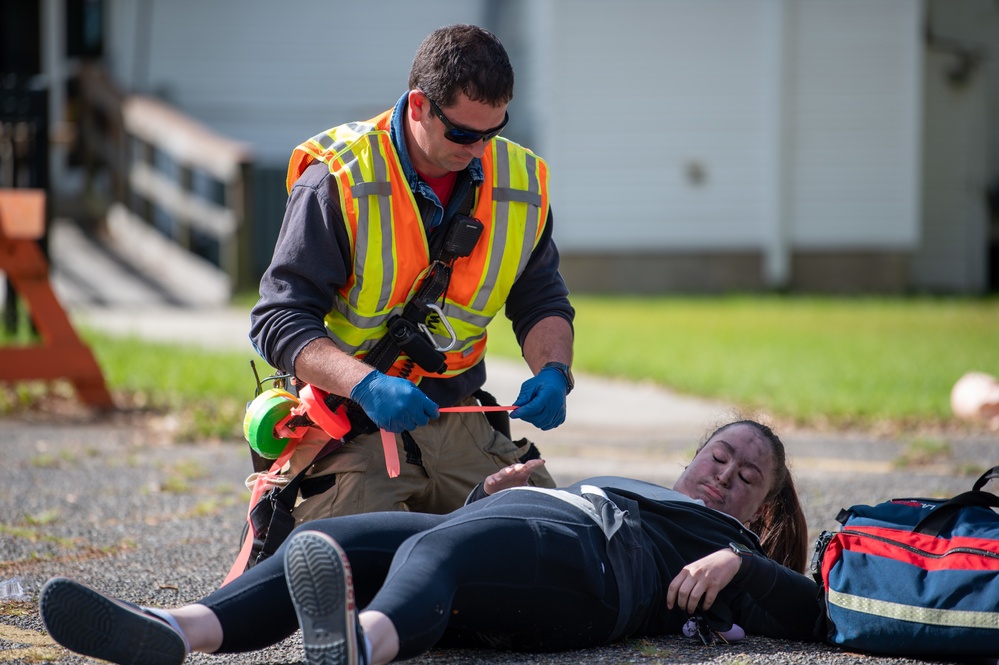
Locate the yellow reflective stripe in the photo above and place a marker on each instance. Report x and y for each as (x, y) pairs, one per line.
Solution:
(467, 326)
(316, 146)
(350, 163)
(501, 165)
(498, 244)
(930, 616)
(516, 196)
(456, 312)
(374, 234)
(351, 339)
(324, 141)
(501, 227)
(346, 325)
(380, 169)
(462, 349)
(500, 278)
(526, 180)
(359, 127)
(533, 212)
(358, 320)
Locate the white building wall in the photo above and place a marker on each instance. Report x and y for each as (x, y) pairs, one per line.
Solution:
(671, 104)
(655, 113)
(670, 125)
(275, 73)
(855, 123)
(955, 229)
(961, 147)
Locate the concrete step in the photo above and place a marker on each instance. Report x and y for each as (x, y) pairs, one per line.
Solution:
(129, 265)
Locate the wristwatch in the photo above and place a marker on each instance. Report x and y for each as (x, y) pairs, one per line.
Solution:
(566, 372)
(745, 558)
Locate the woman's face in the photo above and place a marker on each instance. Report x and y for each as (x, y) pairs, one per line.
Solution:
(733, 473)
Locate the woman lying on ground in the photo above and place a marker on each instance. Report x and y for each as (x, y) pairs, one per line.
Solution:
(517, 568)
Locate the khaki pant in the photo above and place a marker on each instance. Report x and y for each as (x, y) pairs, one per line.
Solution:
(442, 463)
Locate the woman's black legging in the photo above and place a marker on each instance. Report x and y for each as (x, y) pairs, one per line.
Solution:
(520, 570)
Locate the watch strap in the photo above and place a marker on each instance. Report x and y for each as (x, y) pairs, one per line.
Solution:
(566, 372)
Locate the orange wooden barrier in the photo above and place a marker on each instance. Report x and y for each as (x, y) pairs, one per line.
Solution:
(62, 354)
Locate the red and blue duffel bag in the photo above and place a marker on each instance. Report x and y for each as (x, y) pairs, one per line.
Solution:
(914, 577)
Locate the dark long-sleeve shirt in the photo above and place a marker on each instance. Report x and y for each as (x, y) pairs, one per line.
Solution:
(653, 532)
(312, 260)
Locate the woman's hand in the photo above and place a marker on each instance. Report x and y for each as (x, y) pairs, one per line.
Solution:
(515, 475)
(696, 586)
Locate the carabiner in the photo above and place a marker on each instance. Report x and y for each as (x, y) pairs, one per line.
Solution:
(447, 326)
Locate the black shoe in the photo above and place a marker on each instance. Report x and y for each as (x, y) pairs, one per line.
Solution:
(318, 576)
(89, 623)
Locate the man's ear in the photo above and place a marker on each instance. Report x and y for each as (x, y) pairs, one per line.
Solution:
(417, 105)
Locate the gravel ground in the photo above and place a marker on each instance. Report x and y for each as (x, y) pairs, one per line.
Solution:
(114, 505)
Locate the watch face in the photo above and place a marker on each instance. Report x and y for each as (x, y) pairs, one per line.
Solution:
(740, 549)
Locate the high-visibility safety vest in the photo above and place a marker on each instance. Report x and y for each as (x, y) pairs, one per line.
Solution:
(389, 246)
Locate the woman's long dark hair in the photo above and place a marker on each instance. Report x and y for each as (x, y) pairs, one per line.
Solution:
(781, 526)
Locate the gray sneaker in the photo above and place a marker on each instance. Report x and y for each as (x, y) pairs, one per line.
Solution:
(318, 575)
(87, 622)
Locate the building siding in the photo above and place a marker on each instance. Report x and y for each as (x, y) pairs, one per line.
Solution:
(273, 74)
(778, 134)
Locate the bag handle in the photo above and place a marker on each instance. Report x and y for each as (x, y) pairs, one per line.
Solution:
(991, 474)
(934, 523)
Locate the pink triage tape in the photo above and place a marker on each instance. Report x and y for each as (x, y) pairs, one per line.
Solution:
(391, 454)
(391, 451)
(471, 409)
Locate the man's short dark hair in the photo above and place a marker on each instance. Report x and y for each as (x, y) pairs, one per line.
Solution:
(462, 59)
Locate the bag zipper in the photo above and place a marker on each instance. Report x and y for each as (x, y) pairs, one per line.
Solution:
(915, 550)
(819, 553)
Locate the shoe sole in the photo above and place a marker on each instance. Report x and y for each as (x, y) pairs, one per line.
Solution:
(322, 590)
(88, 623)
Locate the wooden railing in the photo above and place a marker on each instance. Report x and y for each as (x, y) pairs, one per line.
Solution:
(166, 169)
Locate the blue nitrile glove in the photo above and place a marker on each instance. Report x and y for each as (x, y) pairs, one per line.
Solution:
(541, 401)
(394, 404)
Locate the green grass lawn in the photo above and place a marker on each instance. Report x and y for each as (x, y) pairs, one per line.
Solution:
(848, 361)
(840, 361)
(205, 390)
(208, 389)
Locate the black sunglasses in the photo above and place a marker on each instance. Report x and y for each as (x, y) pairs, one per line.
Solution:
(461, 135)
